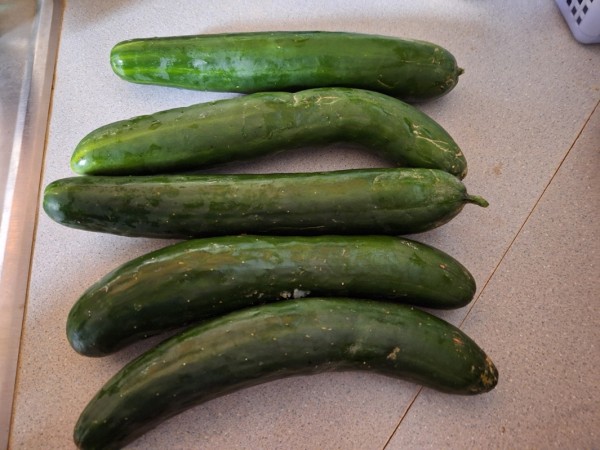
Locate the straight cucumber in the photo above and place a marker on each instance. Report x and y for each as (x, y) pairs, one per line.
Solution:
(241, 128)
(266, 61)
(357, 201)
(194, 280)
(293, 337)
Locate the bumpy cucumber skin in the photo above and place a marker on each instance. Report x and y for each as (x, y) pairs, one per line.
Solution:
(241, 128)
(273, 341)
(198, 279)
(266, 61)
(356, 201)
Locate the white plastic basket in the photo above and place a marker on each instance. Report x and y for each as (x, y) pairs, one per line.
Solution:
(583, 18)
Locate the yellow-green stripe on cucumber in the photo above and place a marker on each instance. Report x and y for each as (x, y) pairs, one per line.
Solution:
(355, 201)
(246, 127)
(264, 343)
(198, 279)
(288, 60)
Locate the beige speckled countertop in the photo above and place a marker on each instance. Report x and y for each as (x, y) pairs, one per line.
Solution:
(526, 116)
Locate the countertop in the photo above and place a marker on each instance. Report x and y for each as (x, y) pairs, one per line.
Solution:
(526, 115)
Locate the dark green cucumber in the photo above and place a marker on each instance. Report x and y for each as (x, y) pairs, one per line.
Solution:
(266, 61)
(198, 279)
(207, 134)
(278, 340)
(357, 201)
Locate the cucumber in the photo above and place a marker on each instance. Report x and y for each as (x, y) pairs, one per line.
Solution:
(194, 280)
(268, 342)
(265, 61)
(355, 201)
(241, 128)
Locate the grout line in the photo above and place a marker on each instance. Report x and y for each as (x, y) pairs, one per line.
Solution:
(510, 245)
(533, 209)
(404, 414)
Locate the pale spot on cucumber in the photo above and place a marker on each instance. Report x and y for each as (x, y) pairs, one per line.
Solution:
(154, 125)
(354, 348)
(393, 354)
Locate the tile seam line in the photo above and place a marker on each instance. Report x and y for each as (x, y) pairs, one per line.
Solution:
(510, 245)
(533, 209)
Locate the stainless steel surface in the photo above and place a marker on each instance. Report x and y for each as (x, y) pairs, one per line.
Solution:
(16, 21)
(29, 32)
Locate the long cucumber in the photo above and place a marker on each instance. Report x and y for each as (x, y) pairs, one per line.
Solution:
(278, 340)
(198, 279)
(241, 128)
(266, 61)
(357, 201)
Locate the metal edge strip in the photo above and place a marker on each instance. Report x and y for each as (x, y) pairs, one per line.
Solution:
(20, 215)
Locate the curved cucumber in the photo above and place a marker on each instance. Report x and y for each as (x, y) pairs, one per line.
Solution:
(198, 279)
(267, 61)
(273, 341)
(358, 201)
(245, 127)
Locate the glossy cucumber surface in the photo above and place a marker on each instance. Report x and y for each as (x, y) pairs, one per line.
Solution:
(273, 341)
(198, 279)
(356, 201)
(241, 128)
(266, 61)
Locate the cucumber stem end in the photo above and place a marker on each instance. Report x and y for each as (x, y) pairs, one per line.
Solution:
(476, 199)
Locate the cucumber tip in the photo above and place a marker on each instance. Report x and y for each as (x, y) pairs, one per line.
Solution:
(476, 199)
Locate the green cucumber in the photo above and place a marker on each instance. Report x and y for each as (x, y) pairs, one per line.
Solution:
(266, 61)
(268, 342)
(356, 201)
(241, 128)
(194, 280)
